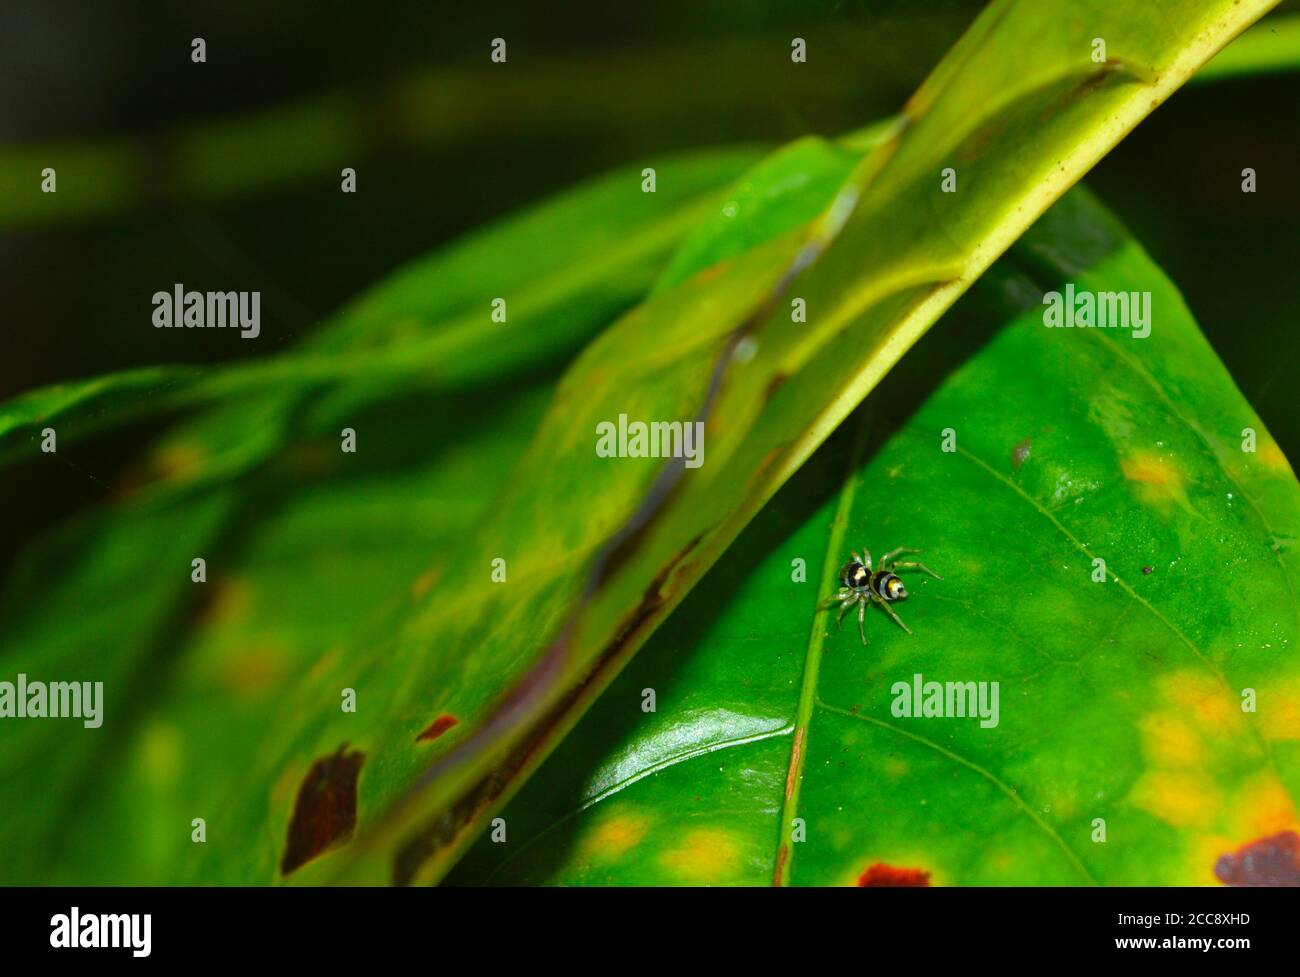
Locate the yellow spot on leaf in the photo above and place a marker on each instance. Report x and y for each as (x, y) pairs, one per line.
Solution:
(1265, 808)
(1064, 806)
(705, 855)
(1169, 740)
(1205, 701)
(895, 768)
(1208, 777)
(1278, 713)
(1158, 482)
(1270, 454)
(160, 750)
(1183, 798)
(614, 837)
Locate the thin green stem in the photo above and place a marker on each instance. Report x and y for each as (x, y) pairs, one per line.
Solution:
(813, 655)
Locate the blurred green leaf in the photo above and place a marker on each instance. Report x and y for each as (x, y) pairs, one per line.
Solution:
(565, 268)
(302, 546)
(1119, 700)
(299, 553)
(739, 72)
(1271, 45)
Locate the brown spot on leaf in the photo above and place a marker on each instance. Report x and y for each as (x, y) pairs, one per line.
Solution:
(422, 852)
(325, 813)
(439, 726)
(1270, 861)
(424, 582)
(225, 600)
(768, 459)
(418, 856)
(311, 458)
(1020, 453)
(1096, 80)
(657, 594)
(708, 274)
(773, 385)
(255, 668)
(175, 462)
(882, 874)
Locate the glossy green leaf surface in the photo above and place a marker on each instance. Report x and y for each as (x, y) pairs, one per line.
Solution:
(586, 581)
(1018, 131)
(1150, 702)
(593, 551)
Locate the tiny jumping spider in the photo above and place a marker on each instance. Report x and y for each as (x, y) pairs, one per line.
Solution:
(860, 585)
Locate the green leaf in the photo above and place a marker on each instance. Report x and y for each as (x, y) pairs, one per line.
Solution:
(1270, 46)
(301, 545)
(1119, 700)
(598, 552)
(298, 553)
(565, 267)
(1020, 110)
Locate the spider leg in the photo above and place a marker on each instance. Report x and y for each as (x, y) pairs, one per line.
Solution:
(862, 628)
(831, 601)
(884, 560)
(890, 611)
(866, 558)
(917, 566)
(839, 620)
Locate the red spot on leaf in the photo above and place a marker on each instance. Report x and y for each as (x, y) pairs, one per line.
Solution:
(1270, 861)
(439, 726)
(882, 874)
(325, 813)
(1020, 453)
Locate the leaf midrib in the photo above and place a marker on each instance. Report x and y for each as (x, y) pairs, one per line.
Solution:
(783, 857)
